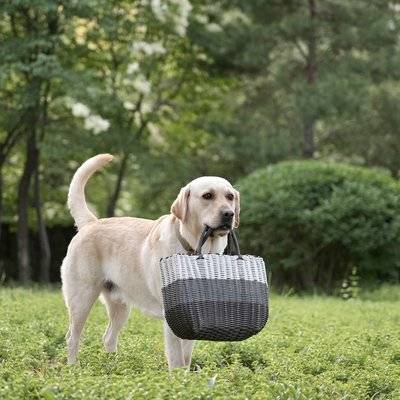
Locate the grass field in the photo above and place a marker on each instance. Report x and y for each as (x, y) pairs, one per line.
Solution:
(312, 348)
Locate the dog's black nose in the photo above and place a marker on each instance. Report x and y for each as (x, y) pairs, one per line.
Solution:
(228, 214)
(227, 217)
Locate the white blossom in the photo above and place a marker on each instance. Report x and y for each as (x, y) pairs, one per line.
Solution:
(159, 9)
(148, 48)
(137, 119)
(132, 68)
(142, 85)
(176, 11)
(166, 109)
(155, 134)
(212, 8)
(395, 7)
(182, 16)
(213, 27)
(202, 56)
(96, 124)
(146, 108)
(129, 105)
(391, 25)
(141, 29)
(127, 81)
(202, 19)
(233, 16)
(80, 110)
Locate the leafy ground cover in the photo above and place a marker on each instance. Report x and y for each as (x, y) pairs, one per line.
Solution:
(312, 348)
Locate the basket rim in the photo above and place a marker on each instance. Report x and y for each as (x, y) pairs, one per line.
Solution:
(210, 254)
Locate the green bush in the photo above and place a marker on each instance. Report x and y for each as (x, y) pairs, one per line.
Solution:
(315, 221)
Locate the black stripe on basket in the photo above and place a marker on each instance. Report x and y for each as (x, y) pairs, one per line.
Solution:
(194, 290)
(217, 321)
(216, 309)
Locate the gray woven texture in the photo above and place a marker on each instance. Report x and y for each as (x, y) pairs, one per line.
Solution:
(212, 266)
(217, 321)
(219, 297)
(215, 290)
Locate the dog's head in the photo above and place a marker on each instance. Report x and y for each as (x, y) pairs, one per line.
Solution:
(208, 201)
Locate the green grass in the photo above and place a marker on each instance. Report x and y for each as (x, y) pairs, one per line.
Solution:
(312, 348)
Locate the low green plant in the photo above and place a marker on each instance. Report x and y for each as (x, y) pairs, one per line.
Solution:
(383, 293)
(350, 287)
(312, 348)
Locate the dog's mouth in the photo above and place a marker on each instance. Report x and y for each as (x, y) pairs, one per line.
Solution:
(221, 230)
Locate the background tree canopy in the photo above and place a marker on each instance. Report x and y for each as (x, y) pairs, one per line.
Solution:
(177, 89)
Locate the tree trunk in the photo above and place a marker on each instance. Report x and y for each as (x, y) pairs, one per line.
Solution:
(6, 146)
(1, 200)
(24, 267)
(45, 253)
(309, 138)
(1, 221)
(311, 70)
(306, 278)
(118, 186)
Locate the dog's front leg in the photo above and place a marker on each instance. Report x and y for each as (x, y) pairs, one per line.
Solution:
(187, 346)
(173, 348)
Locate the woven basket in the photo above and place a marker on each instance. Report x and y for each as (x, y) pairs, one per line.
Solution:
(214, 297)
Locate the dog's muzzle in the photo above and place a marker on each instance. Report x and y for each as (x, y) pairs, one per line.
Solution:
(226, 222)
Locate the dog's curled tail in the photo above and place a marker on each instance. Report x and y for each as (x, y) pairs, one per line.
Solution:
(76, 195)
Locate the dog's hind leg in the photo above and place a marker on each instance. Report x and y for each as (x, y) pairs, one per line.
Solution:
(79, 305)
(118, 313)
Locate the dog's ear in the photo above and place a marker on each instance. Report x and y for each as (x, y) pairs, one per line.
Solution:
(237, 209)
(180, 206)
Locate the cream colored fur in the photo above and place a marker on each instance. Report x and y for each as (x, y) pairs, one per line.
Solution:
(126, 251)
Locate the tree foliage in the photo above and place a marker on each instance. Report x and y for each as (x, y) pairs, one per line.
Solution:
(177, 89)
(320, 78)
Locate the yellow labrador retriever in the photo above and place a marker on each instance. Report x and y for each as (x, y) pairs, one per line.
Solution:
(118, 258)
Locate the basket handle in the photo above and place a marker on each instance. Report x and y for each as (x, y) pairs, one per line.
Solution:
(232, 242)
(204, 236)
(233, 239)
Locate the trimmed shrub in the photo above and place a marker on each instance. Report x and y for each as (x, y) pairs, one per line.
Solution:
(315, 221)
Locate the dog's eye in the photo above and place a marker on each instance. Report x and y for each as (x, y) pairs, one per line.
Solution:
(207, 196)
(230, 196)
